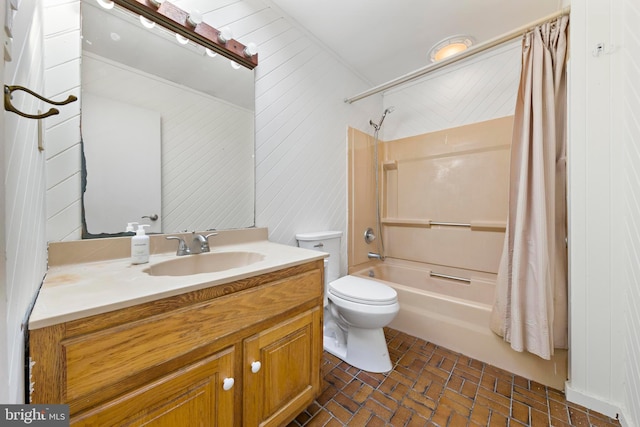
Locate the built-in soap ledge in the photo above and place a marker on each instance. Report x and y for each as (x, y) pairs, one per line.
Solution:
(428, 223)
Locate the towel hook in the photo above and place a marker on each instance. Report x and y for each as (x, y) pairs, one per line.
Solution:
(8, 90)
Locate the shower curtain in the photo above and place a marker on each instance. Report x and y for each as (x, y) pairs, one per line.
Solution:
(530, 310)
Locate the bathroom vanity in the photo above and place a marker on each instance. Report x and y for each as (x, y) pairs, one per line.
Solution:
(236, 347)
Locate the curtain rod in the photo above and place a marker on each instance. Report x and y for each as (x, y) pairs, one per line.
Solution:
(463, 55)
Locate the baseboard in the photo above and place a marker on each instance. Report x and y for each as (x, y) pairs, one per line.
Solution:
(606, 408)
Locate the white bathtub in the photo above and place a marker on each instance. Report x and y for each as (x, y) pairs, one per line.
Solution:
(455, 315)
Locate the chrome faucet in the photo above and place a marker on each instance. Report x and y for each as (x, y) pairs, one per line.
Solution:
(199, 244)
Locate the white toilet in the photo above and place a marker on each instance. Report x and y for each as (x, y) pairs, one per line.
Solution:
(355, 309)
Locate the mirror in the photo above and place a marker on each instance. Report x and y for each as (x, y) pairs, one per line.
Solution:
(206, 128)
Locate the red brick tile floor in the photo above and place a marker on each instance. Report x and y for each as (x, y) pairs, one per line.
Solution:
(432, 386)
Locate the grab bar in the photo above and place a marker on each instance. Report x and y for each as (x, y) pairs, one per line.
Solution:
(446, 276)
(450, 224)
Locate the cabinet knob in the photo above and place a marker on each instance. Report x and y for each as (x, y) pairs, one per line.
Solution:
(227, 383)
(255, 367)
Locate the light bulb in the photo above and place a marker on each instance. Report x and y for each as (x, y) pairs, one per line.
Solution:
(181, 39)
(107, 4)
(235, 65)
(225, 35)
(147, 23)
(194, 18)
(156, 3)
(251, 50)
(210, 52)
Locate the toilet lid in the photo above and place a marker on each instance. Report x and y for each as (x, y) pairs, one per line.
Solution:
(361, 290)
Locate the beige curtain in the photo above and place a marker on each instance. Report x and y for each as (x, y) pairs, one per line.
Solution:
(530, 309)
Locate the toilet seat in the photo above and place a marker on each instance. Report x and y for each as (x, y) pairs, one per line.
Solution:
(363, 291)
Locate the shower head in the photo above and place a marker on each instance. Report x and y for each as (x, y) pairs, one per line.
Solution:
(384, 114)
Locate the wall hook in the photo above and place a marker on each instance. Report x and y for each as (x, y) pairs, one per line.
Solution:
(8, 90)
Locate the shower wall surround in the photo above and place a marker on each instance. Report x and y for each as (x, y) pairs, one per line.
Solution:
(457, 175)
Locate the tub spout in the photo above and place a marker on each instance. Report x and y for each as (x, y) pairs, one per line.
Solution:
(372, 255)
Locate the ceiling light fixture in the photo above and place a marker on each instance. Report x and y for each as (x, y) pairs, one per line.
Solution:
(107, 4)
(191, 27)
(194, 18)
(182, 39)
(225, 35)
(450, 46)
(147, 23)
(251, 49)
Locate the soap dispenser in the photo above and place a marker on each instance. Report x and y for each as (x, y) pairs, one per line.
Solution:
(140, 246)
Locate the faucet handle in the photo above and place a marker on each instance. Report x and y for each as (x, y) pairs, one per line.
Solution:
(200, 243)
(183, 249)
(204, 242)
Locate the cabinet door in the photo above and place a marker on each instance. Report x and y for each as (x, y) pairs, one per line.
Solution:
(194, 395)
(282, 370)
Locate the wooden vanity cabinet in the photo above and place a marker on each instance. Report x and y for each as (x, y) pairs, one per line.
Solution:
(280, 370)
(165, 362)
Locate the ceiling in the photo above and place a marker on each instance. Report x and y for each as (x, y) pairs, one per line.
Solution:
(383, 39)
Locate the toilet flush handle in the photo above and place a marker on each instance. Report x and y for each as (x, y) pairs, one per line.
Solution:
(255, 367)
(319, 245)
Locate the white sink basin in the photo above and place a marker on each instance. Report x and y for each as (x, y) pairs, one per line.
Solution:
(203, 263)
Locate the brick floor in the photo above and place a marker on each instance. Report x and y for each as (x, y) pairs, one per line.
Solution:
(433, 386)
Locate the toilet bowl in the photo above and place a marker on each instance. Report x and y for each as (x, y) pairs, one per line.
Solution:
(356, 310)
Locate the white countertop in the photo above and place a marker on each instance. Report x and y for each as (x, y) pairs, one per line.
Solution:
(75, 291)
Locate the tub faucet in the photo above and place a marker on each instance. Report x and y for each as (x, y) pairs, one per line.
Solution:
(372, 255)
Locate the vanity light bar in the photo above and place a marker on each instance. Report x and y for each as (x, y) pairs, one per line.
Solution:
(175, 19)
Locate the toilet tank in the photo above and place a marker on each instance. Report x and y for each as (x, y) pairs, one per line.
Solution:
(325, 241)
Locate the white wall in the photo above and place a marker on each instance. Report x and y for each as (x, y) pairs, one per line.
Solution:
(482, 87)
(301, 131)
(62, 132)
(25, 188)
(603, 220)
(626, 68)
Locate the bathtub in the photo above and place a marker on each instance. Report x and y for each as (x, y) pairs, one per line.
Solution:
(455, 314)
